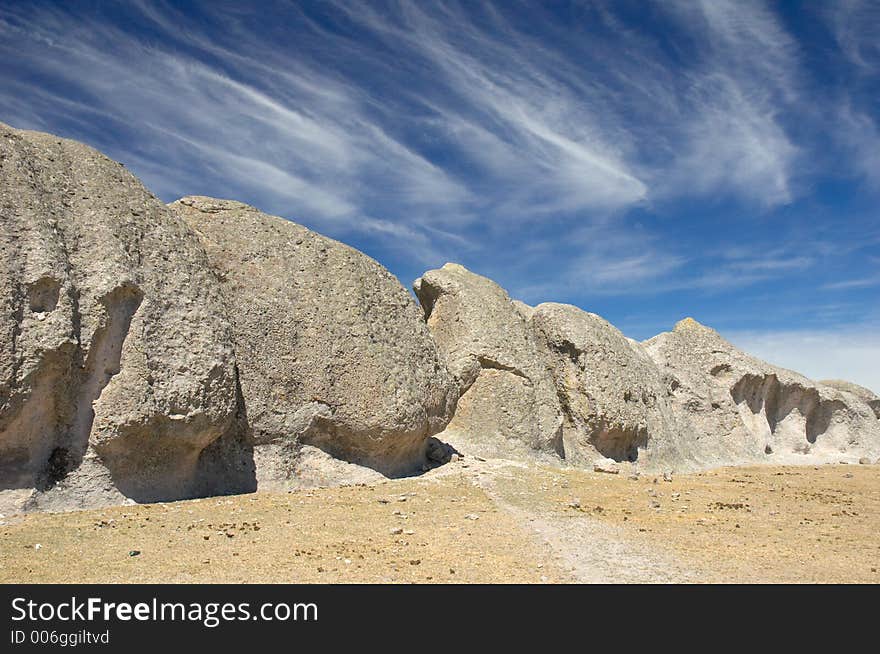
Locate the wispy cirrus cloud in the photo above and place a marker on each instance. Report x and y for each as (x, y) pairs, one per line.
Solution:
(306, 147)
(537, 129)
(860, 282)
(602, 261)
(860, 136)
(579, 151)
(854, 25)
(743, 78)
(516, 111)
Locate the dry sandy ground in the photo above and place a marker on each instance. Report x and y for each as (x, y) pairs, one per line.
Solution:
(479, 521)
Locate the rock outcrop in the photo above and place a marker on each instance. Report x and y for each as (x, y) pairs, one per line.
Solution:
(116, 362)
(137, 366)
(154, 353)
(865, 395)
(744, 410)
(332, 351)
(552, 381)
(612, 393)
(508, 405)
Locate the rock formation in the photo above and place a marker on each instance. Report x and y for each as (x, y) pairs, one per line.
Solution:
(556, 380)
(134, 367)
(612, 393)
(744, 410)
(508, 405)
(865, 395)
(116, 363)
(552, 381)
(155, 353)
(332, 351)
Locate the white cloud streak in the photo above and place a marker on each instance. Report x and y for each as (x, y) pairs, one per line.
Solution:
(447, 130)
(309, 147)
(745, 75)
(548, 131)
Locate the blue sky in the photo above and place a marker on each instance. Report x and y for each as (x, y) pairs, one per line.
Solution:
(644, 161)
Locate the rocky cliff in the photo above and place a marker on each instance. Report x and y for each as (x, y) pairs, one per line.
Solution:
(508, 404)
(744, 410)
(154, 353)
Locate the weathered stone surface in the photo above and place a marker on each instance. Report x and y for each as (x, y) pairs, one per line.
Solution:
(681, 401)
(745, 410)
(332, 350)
(865, 395)
(116, 364)
(149, 353)
(612, 393)
(551, 380)
(508, 405)
(524, 309)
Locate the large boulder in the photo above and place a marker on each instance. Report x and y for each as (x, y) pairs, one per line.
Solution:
(116, 363)
(745, 410)
(333, 352)
(508, 405)
(612, 393)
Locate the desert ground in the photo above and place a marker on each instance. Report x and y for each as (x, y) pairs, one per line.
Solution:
(479, 521)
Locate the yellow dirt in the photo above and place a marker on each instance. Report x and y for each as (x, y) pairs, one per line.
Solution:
(749, 525)
(792, 524)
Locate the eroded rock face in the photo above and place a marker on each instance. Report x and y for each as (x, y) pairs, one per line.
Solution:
(149, 353)
(865, 395)
(116, 363)
(551, 381)
(508, 404)
(612, 393)
(745, 410)
(681, 401)
(332, 351)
